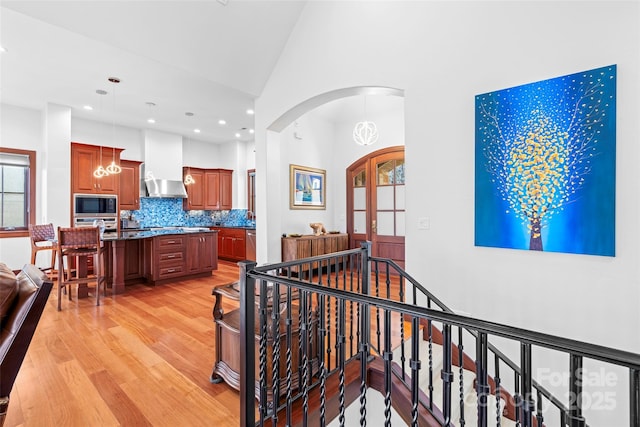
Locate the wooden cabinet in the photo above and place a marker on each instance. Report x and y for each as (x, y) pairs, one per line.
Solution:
(180, 256)
(202, 253)
(195, 191)
(168, 259)
(129, 196)
(226, 189)
(84, 161)
(133, 260)
(212, 190)
(308, 246)
(231, 243)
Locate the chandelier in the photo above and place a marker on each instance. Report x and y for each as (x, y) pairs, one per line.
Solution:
(365, 132)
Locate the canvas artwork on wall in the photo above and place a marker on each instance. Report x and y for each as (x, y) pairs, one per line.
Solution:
(307, 187)
(545, 165)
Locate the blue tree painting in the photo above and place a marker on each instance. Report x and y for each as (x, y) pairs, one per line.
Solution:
(545, 165)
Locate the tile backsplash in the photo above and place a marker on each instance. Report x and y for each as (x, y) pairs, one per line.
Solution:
(168, 212)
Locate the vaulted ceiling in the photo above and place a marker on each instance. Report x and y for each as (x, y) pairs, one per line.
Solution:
(210, 58)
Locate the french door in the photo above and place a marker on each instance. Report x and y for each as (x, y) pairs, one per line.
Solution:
(376, 203)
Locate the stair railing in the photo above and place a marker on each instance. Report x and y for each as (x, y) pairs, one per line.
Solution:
(345, 296)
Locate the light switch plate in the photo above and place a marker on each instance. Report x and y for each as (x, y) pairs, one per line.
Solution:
(424, 223)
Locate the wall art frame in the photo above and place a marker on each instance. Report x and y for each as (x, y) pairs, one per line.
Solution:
(307, 187)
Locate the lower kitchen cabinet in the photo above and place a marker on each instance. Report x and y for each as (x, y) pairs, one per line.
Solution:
(133, 260)
(202, 253)
(178, 256)
(231, 243)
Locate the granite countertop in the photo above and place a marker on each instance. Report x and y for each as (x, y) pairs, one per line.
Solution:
(153, 232)
(243, 227)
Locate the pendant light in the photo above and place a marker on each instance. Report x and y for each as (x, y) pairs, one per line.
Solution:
(113, 168)
(188, 179)
(365, 132)
(100, 171)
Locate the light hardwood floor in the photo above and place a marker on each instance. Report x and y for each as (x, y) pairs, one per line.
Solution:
(140, 359)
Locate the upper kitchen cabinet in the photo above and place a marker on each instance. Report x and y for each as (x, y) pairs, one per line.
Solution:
(85, 159)
(195, 190)
(212, 189)
(130, 185)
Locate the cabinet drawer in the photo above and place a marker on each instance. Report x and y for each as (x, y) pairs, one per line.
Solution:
(170, 243)
(169, 257)
(170, 271)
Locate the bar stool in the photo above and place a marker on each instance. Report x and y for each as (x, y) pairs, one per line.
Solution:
(43, 238)
(79, 242)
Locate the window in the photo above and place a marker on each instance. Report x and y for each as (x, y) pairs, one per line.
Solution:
(17, 191)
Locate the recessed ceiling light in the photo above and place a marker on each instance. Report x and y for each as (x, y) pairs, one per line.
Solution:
(251, 131)
(101, 92)
(237, 134)
(188, 114)
(88, 107)
(196, 130)
(3, 49)
(222, 122)
(150, 104)
(250, 112)
(151, 120)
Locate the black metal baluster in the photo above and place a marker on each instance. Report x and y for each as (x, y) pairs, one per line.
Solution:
(498, 390)
(275, 355)
(482, 381)
(461, 376)
(247, 346)
(351, 343)
(527, 398)
(634, 397)
(364, 331)
(414, 362)
(263, 407)
(430, 355)
(377, 279)
(539, 416)
(388, 358)
(575, 391)
(289, 321)
(517, 400)
(304, 331)
(322, 333)
(446, 373)
(402, 333)
(341, 358)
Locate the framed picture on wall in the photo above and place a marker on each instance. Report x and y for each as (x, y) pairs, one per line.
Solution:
(307, 187)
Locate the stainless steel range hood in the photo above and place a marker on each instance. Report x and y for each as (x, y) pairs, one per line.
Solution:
(165, 188)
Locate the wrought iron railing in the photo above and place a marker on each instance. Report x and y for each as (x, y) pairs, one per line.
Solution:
(347, 307)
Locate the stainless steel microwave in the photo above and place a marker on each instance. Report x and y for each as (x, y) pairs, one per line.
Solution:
(95, 205)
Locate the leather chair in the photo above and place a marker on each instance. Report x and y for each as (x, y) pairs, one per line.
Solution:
(43, 238)
(23, 297)
(79, 243)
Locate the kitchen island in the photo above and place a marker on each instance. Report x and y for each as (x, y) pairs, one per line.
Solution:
(159, 255)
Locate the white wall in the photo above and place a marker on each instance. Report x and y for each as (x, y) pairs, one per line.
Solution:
(22, 128)
(442, 54)
(105, 134)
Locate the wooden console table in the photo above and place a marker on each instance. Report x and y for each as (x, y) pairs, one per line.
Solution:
(227, 346)
(310, 245)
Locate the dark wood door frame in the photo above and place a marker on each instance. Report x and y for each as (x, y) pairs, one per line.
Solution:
(366, 163)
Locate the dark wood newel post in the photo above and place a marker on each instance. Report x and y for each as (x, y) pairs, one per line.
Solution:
(247, 344)
(575, 392)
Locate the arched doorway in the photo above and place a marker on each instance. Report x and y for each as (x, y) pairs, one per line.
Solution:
(376, 203)
(272, 173)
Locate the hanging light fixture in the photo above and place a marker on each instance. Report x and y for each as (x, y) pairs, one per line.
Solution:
(188, 179)
(113, 168)
(100, 171)
(365, 132)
